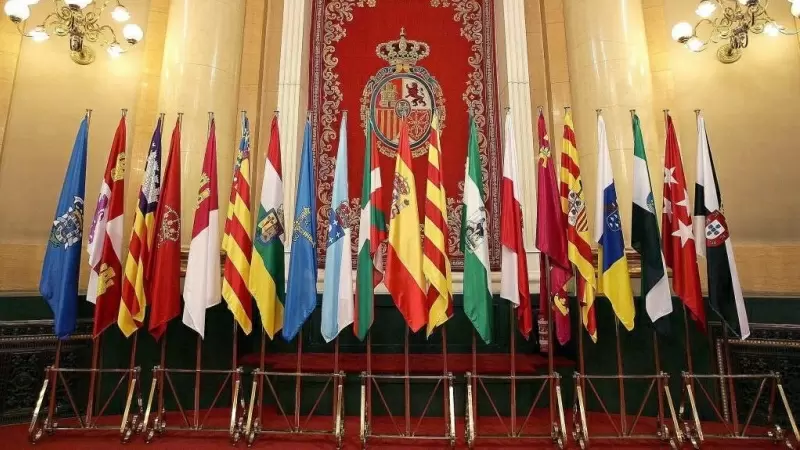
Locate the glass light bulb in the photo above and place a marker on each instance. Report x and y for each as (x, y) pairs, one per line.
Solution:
(80, 4)
(694, 44)
(706, 8)
(17, 10)
(133, 33)
(682, 31)
(796, 9)
(120, 14)
(39, 34)
(772, 29)
(114, 50)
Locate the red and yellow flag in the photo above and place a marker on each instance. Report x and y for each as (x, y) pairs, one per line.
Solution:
(573, 204)
(404, 277)
(238, 243)
(134, 300)
(435, 262)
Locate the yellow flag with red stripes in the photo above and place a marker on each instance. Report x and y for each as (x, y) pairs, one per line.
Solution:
(435, 262)
(237, 242)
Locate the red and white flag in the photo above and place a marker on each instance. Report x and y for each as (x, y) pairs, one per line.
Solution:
(201, 289)
(514, 269)
(105, 238)
(676, 231)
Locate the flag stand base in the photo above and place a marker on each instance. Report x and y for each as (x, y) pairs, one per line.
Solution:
(162, 378)
(693, 428)
(660, 382)
(370, 380)
(254, 427)
(557, 429)
(129, 425)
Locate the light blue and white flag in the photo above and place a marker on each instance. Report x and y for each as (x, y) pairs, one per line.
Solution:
(337, 297)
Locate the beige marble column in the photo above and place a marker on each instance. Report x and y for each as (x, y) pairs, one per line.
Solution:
(293, 95)
(515, 93)
(200, 73)
(609, 68)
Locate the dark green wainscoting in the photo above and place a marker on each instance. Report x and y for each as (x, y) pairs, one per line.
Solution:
(27, 347)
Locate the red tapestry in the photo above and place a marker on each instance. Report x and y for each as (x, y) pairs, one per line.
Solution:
(387, 59)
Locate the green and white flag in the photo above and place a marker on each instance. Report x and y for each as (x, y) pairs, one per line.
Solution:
(475, 244)
(645, 238)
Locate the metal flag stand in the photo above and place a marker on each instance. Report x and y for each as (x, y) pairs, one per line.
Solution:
(556, 431)
(161, 372)
(294, 426)
(55, 373)
(659, 380)
(370, 380)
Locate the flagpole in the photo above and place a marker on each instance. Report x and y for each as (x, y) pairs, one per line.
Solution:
(474, 380)
(297, 380)
(513, 345)
(407, 386)
(53, 379)
(336, 387)
(550, 342)
(162, 362)
(369, 376)
(446, 380)
(620, 374)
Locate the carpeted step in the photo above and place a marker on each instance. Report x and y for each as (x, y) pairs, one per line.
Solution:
(457, 363)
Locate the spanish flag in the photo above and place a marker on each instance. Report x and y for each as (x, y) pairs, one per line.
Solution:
(237, 242)
(404, 277)
(435, 262)
(613, 278)
(573, 204)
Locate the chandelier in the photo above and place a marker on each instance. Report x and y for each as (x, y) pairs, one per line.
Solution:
(732, 27)
(79, 20)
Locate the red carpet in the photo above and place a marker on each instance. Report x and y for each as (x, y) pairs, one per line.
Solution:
(15, 437)
(488, 363)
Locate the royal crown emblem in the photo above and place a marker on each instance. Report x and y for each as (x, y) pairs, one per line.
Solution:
(402, 91)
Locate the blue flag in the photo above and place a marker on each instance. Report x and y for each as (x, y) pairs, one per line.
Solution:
(301, 289)
(337, 297)
(61, 268)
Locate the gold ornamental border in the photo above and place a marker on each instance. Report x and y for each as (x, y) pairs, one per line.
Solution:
(480, 98)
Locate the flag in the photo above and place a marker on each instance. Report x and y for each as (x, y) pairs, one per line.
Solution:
(61, 268)
(613, 278)
(266, 269)
(237, 243)
(301, 289)
(140, 247)
(435, 262)
(475, 244)
(164, 276)
(404, 277)
(201, 288)
(337, 295)
(514, 267)
(105, 238)
(645, 238)
(371, 234)
(676, 232)
(573, 205)
(551, 239)
(714, 243)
